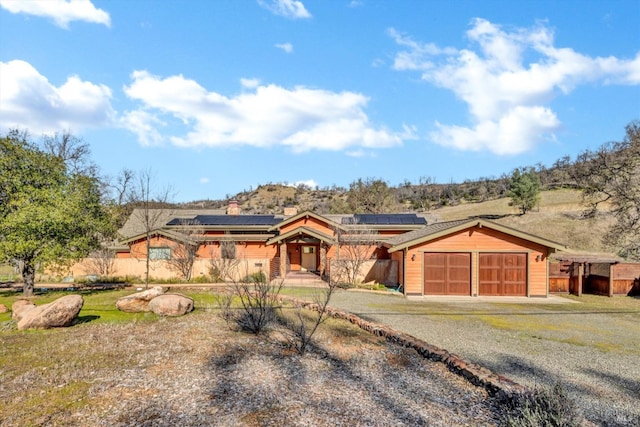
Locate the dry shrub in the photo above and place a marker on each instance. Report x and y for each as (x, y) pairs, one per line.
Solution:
(541, 407)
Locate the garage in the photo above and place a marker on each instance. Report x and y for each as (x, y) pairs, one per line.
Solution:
(503, 274)
(447, 273)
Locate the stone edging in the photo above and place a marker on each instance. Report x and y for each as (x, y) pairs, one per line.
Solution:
(496, 385)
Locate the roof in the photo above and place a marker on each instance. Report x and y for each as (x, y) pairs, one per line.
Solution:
(306, 214)
(135, 224)
(230, 220)
(440, 229)
(588, 258)
(299, 231)
(384, 219)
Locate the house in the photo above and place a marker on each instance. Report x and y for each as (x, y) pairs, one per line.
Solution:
(468, 257)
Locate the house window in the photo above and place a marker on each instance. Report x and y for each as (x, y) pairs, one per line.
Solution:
(227, 250)
(308, 250)
(159, 253)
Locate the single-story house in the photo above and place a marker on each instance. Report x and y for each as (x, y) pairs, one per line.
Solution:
(467, 257)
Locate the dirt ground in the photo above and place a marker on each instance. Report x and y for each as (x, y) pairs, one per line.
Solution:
(591, 347)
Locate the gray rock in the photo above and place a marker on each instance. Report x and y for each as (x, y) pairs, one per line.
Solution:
(171, 305)
(20, 307)
(59, 313)
(138, 302)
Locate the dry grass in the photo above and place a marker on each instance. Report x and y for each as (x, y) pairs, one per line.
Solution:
(559, 218)
(195, 371)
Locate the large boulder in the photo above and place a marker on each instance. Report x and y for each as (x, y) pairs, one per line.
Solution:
(59, 313)
(171, 305)
(138, 302)
(20, 307)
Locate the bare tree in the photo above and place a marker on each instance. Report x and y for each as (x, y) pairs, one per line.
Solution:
(224, 262)
(72, 150)
(101, 262)
(185, 252)
(611, 175)
(151, 210)
(301, 324)
(354, 247)
(257, 299)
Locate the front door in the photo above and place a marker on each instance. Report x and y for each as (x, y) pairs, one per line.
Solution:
(308, 261)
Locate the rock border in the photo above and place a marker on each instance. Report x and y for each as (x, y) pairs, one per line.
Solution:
(495, 384)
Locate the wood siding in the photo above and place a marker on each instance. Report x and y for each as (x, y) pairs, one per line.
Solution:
(478, 240)
(310, 222)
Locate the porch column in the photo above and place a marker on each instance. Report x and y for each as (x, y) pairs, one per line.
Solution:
(323, 258)
(283, 259)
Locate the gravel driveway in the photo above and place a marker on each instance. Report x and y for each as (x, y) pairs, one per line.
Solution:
(593, 353)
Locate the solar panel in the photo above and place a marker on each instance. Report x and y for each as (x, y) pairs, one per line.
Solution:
(384, 219)
(229, 220)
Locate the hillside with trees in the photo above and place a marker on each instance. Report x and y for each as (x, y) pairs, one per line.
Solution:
(591, 203)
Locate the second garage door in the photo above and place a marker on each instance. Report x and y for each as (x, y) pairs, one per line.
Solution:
(503, 274)
(447, 273)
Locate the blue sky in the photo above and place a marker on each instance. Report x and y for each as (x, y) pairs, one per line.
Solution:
(219, 96)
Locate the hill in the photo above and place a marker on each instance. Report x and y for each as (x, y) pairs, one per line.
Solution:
(559, 216)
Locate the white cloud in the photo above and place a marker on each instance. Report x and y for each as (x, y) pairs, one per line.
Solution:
(287, 47)
(309, 183)
(62, 12)
(250, 83)
(204, 180)
(507, 96)
(293, 9)
(28, 100)
(301, 118)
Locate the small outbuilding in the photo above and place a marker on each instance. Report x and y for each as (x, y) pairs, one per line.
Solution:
(472, 257)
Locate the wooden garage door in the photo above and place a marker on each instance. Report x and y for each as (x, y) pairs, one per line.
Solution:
(503, 274)
(447, 274)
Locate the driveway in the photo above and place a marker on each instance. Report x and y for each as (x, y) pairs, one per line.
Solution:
(592, 349)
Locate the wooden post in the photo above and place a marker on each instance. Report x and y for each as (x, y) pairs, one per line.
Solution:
(610, 280)
(323, 259)
(580, 274)
(283, 259)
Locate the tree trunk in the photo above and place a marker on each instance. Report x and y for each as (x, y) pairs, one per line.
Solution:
(28, 277)
(146, 270)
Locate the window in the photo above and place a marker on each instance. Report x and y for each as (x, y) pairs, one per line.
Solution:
(308, 250)
(159, 253)
(227, 250)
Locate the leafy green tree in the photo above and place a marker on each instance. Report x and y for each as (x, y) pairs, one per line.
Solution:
(524, 189)
(370, 196)
(49, 214)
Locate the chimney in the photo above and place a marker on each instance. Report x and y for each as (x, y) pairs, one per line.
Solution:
(290, 211)
(233, 208)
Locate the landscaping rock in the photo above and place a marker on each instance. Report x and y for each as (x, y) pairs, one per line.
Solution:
(3, 308)
(59, 313)
(20, 307)
(138, 302)
(171, 305)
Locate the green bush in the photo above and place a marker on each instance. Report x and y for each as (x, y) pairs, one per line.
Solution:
(257, 277)
(541, 408)
(216, 275)
(200, 279)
